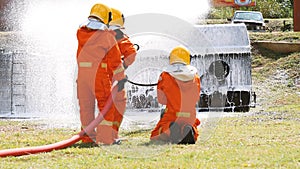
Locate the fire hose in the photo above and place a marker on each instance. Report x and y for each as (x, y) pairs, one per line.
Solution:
(141, 84)
(64, 143)
(74, 139)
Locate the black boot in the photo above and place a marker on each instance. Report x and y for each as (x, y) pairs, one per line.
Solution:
(175, 135)
(188, 134)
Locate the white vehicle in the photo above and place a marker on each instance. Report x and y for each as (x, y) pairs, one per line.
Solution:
(252, 19)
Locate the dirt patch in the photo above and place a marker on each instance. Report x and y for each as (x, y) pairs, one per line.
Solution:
(278, 47)
(18, 126)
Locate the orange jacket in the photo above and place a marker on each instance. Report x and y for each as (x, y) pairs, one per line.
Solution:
(127, 49)
(180, 98)
(98, 49)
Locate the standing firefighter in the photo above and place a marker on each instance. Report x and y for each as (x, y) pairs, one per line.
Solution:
(179, 89)
(98, 56)
(128, 52)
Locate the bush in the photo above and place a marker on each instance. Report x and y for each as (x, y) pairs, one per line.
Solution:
(280, 9)
(220, 13)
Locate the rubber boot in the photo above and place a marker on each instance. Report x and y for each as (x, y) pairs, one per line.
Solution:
(117, 140)
(105, 135)
(175, 134)
(188, 134)
(89, 138)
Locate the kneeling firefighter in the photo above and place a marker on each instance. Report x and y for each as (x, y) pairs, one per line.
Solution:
(179, 89)
(98, 56)
(128, 51)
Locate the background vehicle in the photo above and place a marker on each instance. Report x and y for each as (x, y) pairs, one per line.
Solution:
(252, 19)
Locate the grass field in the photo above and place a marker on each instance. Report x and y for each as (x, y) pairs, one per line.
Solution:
(266, 137)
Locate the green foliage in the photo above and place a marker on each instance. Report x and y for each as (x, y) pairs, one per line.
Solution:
(220, 13)
(270, 66)
(280, 9)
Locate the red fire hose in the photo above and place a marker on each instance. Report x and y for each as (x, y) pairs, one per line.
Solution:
(64, 143)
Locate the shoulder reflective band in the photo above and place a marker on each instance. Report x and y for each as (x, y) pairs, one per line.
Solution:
(183, 114)
(104, 65)
(85, 64)
(120, 69)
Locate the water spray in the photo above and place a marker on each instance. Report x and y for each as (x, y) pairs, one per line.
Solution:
(64, 143)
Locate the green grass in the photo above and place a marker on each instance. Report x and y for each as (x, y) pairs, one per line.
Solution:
(267, 65)
(261, 140)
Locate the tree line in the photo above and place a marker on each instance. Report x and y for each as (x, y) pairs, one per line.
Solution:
(269, 9)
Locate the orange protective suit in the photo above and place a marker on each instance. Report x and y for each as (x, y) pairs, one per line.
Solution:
(128, 52)
(180, 98)
(98, 56)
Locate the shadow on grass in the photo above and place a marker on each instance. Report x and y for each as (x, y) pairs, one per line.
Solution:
(143, 143)
(84, 145)
(132, 140)
(141, 131)
(155, 142)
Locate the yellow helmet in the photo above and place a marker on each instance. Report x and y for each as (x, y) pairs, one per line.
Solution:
(180, 54)
(117, 18)
(101, 12)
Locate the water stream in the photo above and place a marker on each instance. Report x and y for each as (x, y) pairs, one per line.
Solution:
(48, 36)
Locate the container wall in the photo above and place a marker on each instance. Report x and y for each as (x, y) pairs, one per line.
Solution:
(12, 83)
(222, 55)
(5, 82)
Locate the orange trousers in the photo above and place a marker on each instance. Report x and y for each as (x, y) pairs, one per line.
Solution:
(105, 132)
(119, 107)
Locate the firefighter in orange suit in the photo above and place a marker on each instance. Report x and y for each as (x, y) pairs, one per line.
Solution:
(179, 89)
(128, 52)
(97, 56)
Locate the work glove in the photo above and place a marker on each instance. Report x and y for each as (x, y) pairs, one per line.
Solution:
(121, 83)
